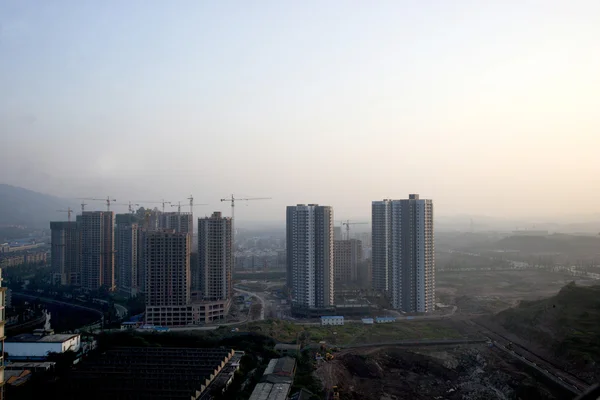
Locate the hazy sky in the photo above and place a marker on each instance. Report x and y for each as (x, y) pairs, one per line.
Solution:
(487, 107)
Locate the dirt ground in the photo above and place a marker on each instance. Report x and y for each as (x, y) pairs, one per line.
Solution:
(459, 372)
(481, 292)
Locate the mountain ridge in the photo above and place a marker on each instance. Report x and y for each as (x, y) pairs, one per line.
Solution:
(20, 206)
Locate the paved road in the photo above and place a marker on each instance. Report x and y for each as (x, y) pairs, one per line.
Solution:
(53, 301)
(421, 342)
(213, 327)
(262, 301)
(121, 311)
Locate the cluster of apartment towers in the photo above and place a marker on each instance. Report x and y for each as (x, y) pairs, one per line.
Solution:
(402, 255)
(153, 255)
(150, 256)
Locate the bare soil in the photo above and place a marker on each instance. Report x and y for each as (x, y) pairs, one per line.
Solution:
(460, 372)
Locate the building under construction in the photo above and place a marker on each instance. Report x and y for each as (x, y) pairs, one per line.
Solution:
(65, 251)
(167, 274)
(215, 264)
(147, 373)
(347, 254)
(97, 249)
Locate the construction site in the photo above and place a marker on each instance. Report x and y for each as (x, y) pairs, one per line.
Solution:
(467, 372)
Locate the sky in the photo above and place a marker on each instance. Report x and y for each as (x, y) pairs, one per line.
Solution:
(486, 107)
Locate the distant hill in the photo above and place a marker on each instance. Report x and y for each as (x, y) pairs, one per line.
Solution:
(568, 324)
(19, 206)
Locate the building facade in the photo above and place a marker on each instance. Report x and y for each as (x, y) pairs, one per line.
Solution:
(127, 247)
(404, 252)
(347, 255)
(309, 247)
(65, 251)
(182, 222)
(215, 261)
(380, 232)
(167, 266)
(97, 249)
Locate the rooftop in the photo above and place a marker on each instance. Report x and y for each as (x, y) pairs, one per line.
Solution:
(332, 317)
(286, 346)
(29, 338)
(269, 391)
(148, 372)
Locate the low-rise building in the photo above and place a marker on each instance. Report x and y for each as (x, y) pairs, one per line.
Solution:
(276, 381)
(36, 347)
(332, 320)
(151, 372)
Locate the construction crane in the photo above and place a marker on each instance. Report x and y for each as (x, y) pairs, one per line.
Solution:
(192, 205)
(83, 206)
(108, 200)
(129, 205)
(68, 211)
(347, 224)
(163, 202)
(234, 199)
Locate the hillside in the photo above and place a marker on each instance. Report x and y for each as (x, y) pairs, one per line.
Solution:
(19, 206)
(567, 324)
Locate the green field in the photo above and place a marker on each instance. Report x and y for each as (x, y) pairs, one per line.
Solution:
(356, 333)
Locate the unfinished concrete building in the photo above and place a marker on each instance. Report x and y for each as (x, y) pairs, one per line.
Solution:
(167, 274)
(215, 263)
(65, 251)
(97, 249)
(347, 254)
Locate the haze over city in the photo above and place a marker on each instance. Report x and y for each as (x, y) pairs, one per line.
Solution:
(485, 107)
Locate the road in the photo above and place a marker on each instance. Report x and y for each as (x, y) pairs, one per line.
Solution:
(262, 301)
(545, 367)
(53, 301)
(121, 311)
(213, 327)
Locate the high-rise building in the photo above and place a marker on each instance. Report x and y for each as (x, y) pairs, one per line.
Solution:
(215, 263)
(337, 233)
(97, 249)
(127, 248)
(182, 222)
(309, 242)
(167, 273)
(347, 255)
(65, 251)
(403, 252)
(381, 240)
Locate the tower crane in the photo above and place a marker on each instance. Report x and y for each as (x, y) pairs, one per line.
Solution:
(347, 224)
(108, 200)
(234, 199)
(129, 205)
(163, 202)
(68, 211)
(192, 205)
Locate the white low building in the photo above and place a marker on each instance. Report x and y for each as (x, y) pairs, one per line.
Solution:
(37, 347)
(332, 320)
